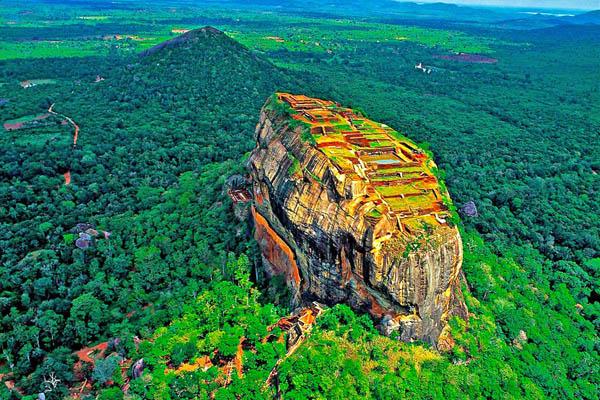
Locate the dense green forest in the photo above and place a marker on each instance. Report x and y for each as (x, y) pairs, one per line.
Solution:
(155, 254)
(168, 272)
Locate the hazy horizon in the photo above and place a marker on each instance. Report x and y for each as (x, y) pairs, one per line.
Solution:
(541, 4)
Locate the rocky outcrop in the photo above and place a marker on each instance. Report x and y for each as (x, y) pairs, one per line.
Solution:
(350, 211)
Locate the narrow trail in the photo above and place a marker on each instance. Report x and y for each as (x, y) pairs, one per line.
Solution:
(67, 174)
(70, 120)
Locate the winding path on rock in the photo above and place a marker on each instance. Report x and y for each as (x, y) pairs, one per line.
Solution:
(67, 174)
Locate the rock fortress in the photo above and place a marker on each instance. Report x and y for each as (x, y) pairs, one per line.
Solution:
(350, 211)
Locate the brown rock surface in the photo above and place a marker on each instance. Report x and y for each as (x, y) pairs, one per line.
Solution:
(350, 211)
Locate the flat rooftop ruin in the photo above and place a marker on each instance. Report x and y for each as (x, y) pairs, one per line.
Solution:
(399, 176)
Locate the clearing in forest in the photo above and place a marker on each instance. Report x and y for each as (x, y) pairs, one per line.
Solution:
(469, 58)
(29, 83)
(29, 122)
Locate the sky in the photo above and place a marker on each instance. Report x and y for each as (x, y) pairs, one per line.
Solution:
(563, 4)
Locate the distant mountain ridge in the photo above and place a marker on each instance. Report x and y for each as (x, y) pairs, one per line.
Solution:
(519, 18)
(592, 17)
(540, 21)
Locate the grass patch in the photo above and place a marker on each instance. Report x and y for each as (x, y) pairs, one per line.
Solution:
(295, 167)
(374, 213)
(52, 49)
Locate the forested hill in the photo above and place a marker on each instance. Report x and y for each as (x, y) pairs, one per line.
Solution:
(144, 172)
(187, 40)
(201, 75)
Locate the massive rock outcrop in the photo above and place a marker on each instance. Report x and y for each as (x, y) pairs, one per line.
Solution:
(349, 210)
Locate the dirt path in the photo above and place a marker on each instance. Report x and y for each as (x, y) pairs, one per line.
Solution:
(75, 126)
(67, 174)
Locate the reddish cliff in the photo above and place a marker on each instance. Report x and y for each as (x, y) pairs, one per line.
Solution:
(278, 257)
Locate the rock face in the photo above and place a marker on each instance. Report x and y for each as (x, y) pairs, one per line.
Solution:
(350, 211)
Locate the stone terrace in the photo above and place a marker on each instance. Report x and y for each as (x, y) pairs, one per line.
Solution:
(399, 175)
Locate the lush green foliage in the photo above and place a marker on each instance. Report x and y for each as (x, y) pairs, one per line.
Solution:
(170, 229)
(346, 357)
(213, 325)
